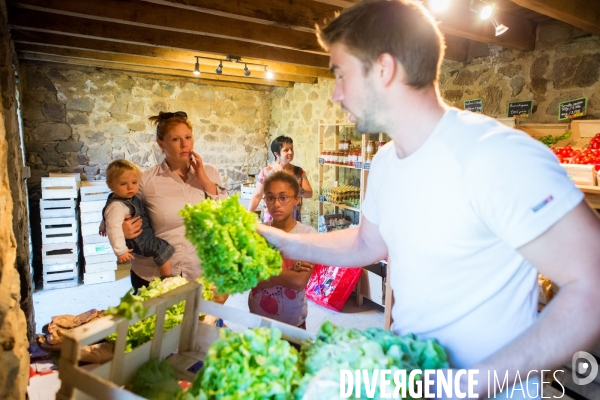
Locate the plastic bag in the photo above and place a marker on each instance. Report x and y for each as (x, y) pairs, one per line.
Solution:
(330, 287)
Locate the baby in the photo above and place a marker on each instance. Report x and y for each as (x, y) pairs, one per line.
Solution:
(123, 177)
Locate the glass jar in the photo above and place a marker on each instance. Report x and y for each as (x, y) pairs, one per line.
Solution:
(369, 158)
(370, 147)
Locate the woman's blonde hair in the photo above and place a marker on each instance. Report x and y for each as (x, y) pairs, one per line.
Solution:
(165, 121)
(118, 167)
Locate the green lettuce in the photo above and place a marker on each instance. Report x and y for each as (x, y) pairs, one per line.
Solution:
(234, 256)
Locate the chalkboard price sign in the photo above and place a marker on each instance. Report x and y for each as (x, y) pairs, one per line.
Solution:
(475, 105)
(520, 109)
(572, 109)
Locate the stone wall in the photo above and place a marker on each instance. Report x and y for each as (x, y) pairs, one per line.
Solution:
(14, 236)
(564, 66)
(80, 119)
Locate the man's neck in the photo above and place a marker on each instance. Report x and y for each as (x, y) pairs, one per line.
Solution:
(285, 225)
(415, 119)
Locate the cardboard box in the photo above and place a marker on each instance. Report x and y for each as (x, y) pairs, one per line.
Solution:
(581, 174)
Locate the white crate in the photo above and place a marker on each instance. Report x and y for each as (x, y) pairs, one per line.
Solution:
(95, 249)
(90, 239)
(247, 191)
(61, 253)
(89, 217)
(90, 229)
(67, 283)
(74, 175)
(92, 206)
(98, 277)
(101, 258)
(59, 187)
(94, 191)
(57, 208)
(59, 230)
(101, 267)
(60, 272)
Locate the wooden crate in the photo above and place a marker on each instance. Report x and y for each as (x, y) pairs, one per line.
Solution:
(89, 239)
(191, 339)
(57, 208)
(92, 278)
(90, 217)
(59, 230)
(59, 187)
(100, 258)
(92, 206)
(90, 229)
(60, 253)
(59, 273)
(94, 191)
(96, 249)
(101, 267)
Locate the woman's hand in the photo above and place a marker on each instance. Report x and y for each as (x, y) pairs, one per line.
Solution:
(198, 165)
(132, 227)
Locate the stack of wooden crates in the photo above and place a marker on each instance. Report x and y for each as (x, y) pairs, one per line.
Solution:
(60, 233)
(100, 260)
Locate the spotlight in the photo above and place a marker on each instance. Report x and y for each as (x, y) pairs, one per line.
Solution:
(486, 12)
(500, 29)
(246, 70)
(219, 69)
(197, 68)
(268, 74)
(438, 5)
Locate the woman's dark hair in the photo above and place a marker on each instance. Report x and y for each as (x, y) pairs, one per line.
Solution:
(279, 142)
(282, 177)
(165, 121)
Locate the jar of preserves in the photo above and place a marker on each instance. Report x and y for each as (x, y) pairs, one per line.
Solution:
(370, 147)
(369, 158)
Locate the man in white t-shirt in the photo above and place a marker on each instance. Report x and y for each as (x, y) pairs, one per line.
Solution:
(467, 209)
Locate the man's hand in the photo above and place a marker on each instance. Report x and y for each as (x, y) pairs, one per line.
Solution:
(302, 266)
(132, 227)
(126, 257)
(274, 236)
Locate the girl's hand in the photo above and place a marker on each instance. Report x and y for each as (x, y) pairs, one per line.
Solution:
(302, 266)
(132, 227)
(126, 257)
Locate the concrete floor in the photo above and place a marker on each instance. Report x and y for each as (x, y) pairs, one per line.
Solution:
(48, 303)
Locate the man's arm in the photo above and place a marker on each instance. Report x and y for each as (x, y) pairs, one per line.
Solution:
(569, 254)
(344, 248)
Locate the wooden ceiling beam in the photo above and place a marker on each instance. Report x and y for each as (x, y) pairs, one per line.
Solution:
(157, 75)
(583, 14)
(52, 23)
(457, 48)
(156, 16)
(160, 53)
(185, 67)
(300, 15)
(144, 69)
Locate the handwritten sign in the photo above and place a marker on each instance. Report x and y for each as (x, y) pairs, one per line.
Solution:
(358, 165)
(475, 105)
(367, 165)
(572, 109)
(520, 109)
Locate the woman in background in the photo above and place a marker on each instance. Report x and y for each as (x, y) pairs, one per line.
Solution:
(283, 150)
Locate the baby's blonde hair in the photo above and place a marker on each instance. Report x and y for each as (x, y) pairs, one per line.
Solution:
(118, 167)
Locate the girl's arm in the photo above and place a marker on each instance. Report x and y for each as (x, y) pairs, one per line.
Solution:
(289, 279)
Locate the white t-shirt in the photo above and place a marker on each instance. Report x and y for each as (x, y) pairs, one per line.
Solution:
(453, 215)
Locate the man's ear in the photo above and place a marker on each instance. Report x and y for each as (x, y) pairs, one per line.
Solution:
(387, 68)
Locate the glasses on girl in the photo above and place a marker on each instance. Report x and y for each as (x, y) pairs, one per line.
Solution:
(282, 199)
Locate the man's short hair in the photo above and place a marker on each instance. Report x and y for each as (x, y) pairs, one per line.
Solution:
(402, 28)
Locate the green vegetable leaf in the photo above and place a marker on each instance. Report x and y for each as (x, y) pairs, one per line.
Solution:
(234, 256)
